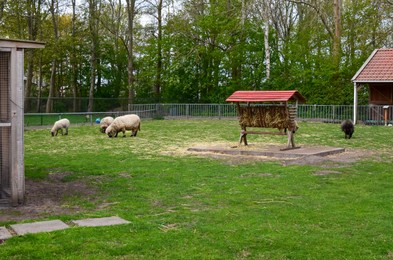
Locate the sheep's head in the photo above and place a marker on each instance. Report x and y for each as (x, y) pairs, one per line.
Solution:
(53, 131)
(110, 131)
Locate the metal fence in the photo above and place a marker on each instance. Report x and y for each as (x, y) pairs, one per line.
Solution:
(370, 115)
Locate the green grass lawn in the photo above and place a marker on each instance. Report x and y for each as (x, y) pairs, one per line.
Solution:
(186, 206)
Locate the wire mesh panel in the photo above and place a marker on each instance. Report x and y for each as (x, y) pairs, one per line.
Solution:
(4, 87)
(5, 133)
(5, 125)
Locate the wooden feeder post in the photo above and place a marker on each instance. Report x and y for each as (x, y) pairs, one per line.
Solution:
(275, 114)
(386, 114)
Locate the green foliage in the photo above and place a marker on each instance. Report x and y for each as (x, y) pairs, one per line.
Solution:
(207, 50)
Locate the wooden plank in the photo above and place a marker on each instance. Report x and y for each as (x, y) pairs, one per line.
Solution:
(20, 127)
(12, 43)
(290, 148)
(13, 93)
(264, 133)
(17, 148)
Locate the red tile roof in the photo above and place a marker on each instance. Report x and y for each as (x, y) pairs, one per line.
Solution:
(377, 68)
(266, 96)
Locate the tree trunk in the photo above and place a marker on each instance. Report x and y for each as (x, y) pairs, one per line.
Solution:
(93, 26)
(49, 103)
(74, 72)
(266, 16)
(29, 79)
(33, 21)
(337, 34)
(39, 85)
(130, 51)
(159, 52)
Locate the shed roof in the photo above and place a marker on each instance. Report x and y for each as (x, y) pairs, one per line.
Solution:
(266, 96)
(24, 44)
(377, 68)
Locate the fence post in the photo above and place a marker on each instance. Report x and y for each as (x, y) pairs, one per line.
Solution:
(334, 113)
(314, 111)
(219, 111)
(187, 110)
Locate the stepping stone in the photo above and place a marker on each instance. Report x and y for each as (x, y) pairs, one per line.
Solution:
(96, 222)
(37, 227)
(4, 233)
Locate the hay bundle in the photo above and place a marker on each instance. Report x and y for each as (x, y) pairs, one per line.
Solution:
(264, 116)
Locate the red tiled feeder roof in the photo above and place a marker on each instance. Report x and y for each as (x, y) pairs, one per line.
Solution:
(377, 68)
(266, 96)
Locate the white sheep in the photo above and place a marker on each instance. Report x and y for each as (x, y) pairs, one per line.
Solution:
(59, 125)
(122, 123)
(105, 122)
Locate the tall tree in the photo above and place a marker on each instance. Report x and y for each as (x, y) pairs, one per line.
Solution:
(337, 6)
(266, 11)
(158, 84)
(334, 30)
(53, 9)
(73, 59)
(33, 22)
(113, 19)
(94, 49)
(130, 50)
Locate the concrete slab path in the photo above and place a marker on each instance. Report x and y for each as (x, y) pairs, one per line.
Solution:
(4, 233)
(96, 222)
(37, 227)
(53, 225)
(270, 151)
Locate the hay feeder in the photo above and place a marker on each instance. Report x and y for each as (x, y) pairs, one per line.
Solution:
(267, 109)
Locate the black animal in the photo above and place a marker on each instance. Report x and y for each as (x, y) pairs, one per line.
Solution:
(348, 128)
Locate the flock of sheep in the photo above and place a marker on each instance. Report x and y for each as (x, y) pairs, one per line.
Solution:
(132, 123)
(108, 125)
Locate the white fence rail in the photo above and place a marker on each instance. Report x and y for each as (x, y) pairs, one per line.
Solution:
(371, 115)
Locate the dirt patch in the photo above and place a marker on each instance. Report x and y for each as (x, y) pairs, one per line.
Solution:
(335, 160)
(49, 197)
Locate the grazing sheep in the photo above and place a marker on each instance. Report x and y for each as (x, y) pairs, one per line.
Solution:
(105, 122)
(348, 128)
(122, 123)
(59, 125)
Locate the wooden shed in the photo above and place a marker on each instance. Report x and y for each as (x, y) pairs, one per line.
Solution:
(12, 176)
(267, 109)
(376, 74)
